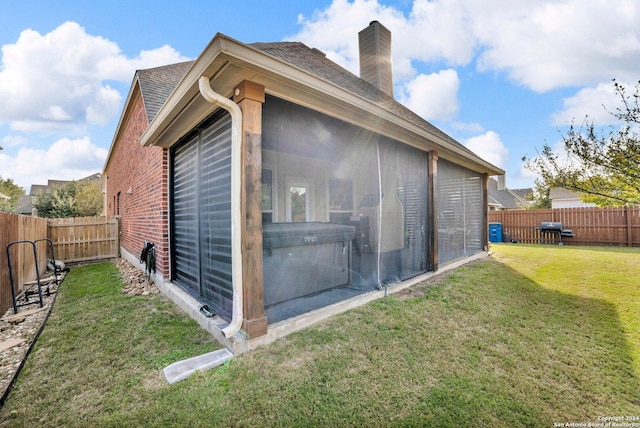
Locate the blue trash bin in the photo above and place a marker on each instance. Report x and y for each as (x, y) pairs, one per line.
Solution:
(495, 232)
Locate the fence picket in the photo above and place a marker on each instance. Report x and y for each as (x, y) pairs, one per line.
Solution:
(85, 238)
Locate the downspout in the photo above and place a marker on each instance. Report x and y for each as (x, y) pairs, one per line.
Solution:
(236, 216)
(379, 228)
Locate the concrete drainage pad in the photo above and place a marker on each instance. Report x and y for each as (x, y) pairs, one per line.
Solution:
(183, 369)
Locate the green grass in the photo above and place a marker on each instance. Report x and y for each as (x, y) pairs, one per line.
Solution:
(602, 275)
(532, 336)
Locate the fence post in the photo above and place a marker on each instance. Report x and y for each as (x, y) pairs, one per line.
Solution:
(629, 223)
(117, 221)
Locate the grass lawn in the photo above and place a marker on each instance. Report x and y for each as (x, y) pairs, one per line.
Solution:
(533, 336)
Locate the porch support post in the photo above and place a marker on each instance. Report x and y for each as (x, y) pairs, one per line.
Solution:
(485, 204)
(432, 188)
(250, 97)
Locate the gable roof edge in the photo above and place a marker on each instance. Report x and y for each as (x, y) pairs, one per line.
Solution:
(284, 79)
(135, 83)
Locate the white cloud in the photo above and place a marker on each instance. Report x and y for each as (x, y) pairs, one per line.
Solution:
(13, 141)
(542, 45)
(549, 44)
(468, 127)
(526, 175)
(433, 96)
(597, 103)
(576, 42)
(65, 159)
(119, 67)
(434, 30)
(489, 147)
(56, 81)
(334, 30)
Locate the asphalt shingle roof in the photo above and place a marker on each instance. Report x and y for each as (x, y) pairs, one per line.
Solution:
(507, 198)
(156, 84)
(562, 193)
(315, 62)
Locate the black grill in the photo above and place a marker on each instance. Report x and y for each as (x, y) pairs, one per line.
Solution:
(555, 227)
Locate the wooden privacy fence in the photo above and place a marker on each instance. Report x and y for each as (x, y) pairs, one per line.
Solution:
(74, 240)
(83, 239)
(591, 226)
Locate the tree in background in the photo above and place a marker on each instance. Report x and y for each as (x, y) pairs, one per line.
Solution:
(56, 203)
(75, 199)
(90, 199)
(13, 191)
(603, 167)
(539, 197)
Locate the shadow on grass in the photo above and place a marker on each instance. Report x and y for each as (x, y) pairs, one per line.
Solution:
(539, 355)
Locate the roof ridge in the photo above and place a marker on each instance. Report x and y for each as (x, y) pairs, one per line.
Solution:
(327, 69)
(165, 66)
(284, 42)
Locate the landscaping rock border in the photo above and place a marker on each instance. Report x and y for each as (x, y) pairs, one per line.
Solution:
(135, 280)
(23, 331)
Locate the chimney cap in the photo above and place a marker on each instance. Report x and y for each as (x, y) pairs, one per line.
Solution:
(378, 23)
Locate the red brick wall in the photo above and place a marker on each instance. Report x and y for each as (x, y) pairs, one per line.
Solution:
(143, 170)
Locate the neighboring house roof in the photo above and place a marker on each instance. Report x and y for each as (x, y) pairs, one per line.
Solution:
(564, 198)
(291, 71)
(56, 184)
(524, 194)
(562, 193)
(156, 84)
(25, 203)
(97, 177)
(53, 184)
(508, 198)
(38, 188)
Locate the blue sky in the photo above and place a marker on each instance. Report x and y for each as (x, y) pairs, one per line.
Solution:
(503, 78)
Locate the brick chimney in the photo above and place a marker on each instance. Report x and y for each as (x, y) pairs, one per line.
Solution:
(375, 57)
